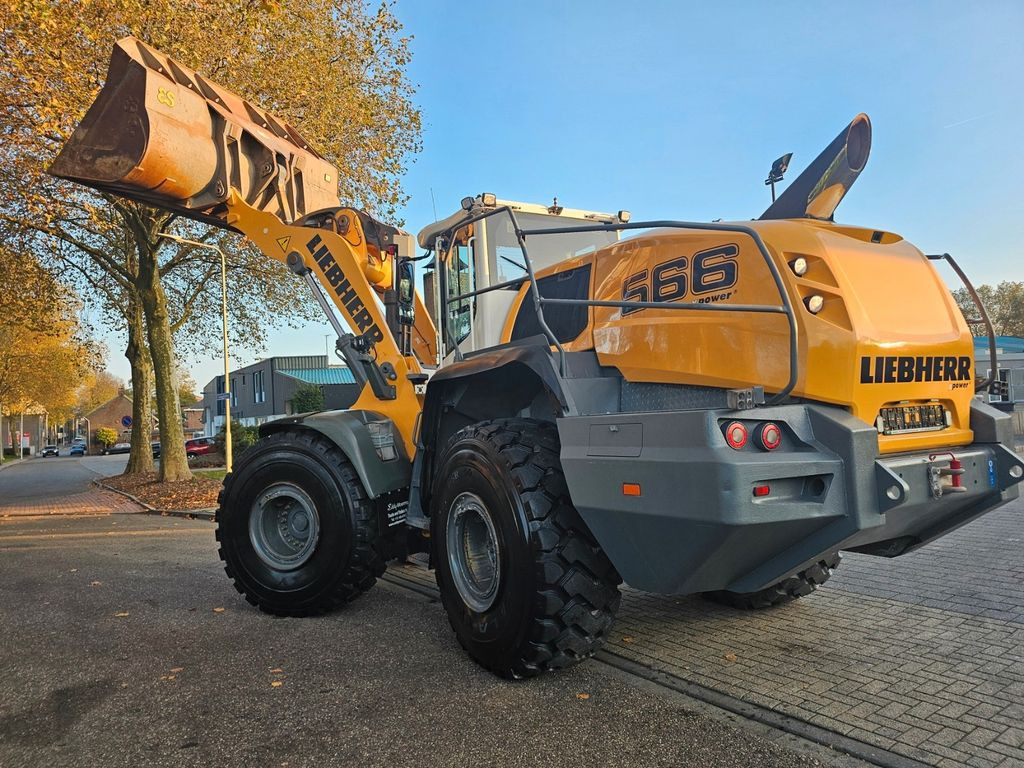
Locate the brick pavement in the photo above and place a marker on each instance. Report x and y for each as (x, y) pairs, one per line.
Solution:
(94, 501)
(922, 655)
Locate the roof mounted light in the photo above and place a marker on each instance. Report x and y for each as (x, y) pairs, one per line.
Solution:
(489, 199)
(623, 216)
(467, 203)
(799, 266)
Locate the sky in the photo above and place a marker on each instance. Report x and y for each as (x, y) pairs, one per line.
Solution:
(677, 110)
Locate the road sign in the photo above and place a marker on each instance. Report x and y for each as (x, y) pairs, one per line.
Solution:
(126, 421)
(224, 396)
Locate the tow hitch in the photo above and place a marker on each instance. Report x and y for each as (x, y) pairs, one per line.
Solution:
(954, 472)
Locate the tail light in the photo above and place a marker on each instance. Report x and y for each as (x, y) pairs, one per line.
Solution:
(769, 436)
(736, 435)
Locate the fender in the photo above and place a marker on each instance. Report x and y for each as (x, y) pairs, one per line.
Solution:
(351, 432)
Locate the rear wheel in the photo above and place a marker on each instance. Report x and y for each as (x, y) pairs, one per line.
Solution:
(297, 534)
(526, 587)
(796, 586)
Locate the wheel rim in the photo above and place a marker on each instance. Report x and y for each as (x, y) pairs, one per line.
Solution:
(473, 555)
(284, 526)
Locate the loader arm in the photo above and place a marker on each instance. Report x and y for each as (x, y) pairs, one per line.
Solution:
(160, 134)
(340, 268)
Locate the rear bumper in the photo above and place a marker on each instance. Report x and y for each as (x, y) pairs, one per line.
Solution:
(698, 527)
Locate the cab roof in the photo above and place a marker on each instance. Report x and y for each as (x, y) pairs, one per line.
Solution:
(477, 205)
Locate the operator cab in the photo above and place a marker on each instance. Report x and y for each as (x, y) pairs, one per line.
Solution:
(486, 253)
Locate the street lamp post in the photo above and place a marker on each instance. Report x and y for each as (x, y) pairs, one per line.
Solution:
(88, 431)
(224, 322)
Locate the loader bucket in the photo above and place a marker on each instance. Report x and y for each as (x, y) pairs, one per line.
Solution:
(130, 144)
(824, 183)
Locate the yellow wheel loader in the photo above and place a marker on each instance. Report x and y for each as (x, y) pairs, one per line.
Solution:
(578, 399)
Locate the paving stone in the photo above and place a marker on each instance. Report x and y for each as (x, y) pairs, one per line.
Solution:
(902, 653)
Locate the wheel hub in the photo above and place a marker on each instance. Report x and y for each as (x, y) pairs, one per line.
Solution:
(284, 526)
(473, 555)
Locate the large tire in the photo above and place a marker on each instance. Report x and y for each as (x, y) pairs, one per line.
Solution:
(297, 534)
(781, 592)
(540, 594)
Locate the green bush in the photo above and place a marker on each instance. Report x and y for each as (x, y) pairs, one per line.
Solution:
(306, 398)
(242, 437)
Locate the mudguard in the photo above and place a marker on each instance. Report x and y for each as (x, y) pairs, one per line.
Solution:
(351, 432)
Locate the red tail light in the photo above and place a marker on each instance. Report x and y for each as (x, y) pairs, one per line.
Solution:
(762, 490)
(769, 436)
(736, 435)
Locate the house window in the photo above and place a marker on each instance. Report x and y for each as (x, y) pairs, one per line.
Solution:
(259, 395)
(234, 392)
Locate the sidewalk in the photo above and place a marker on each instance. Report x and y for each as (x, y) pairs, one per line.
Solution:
(91, 502)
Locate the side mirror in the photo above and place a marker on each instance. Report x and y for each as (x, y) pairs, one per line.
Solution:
(406, 293)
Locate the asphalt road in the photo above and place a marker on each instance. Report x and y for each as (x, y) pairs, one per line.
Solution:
(123, 644)
(43, 477)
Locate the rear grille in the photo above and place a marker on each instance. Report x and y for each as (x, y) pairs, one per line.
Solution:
(900, 419)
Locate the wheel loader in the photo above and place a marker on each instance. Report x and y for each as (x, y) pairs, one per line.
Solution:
(576, 400)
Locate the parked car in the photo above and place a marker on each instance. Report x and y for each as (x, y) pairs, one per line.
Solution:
(199, 446)
(50, 450)
(118, 448)
(156, 449)
(77, 449)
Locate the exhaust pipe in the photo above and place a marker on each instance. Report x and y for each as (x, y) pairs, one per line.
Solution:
(817, 192)
(159, 133)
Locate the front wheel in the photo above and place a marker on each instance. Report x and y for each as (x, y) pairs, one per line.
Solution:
(526, 587)
(298, 535)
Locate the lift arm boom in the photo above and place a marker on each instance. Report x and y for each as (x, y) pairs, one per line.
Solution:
(161, 134)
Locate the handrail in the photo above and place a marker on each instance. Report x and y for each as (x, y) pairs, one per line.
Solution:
(993, 361)
(786, 307)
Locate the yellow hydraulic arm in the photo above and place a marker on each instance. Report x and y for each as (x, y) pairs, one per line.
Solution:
(159, 133)
(339, 264)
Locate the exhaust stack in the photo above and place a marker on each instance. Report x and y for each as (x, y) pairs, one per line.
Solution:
(821, 187)
(130, 144)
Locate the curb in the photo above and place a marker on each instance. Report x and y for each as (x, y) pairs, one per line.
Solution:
(10, 463)
(188, 514)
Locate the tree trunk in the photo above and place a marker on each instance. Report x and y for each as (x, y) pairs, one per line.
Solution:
(173, 462)
(141, 458)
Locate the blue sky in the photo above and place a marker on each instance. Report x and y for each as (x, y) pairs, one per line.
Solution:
(676, 110)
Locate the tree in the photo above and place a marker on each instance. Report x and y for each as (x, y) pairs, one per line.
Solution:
(44, 350)
(97, 388)
(341, 80)
(187, 390)
(1005, 306)
(306, 398)
(105, 436)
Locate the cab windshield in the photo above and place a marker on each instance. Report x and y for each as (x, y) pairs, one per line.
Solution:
(506, 258)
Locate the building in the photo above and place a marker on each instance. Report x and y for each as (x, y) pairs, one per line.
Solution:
(1009, 358)
(29, 426)
(263, 391)
(115, 414)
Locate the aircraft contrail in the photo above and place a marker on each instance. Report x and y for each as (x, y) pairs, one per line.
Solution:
(970, 119)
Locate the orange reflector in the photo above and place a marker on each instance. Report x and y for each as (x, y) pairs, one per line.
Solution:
(631, 489)
(762, 490)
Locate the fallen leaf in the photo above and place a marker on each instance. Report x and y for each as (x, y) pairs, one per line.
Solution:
(74, 570)
(277, 670)
(95, 583)
(177, 669)
(729, 657)
(121, 614)
(218, 610)
(627, 639)
(276, 684)
(583, 696)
